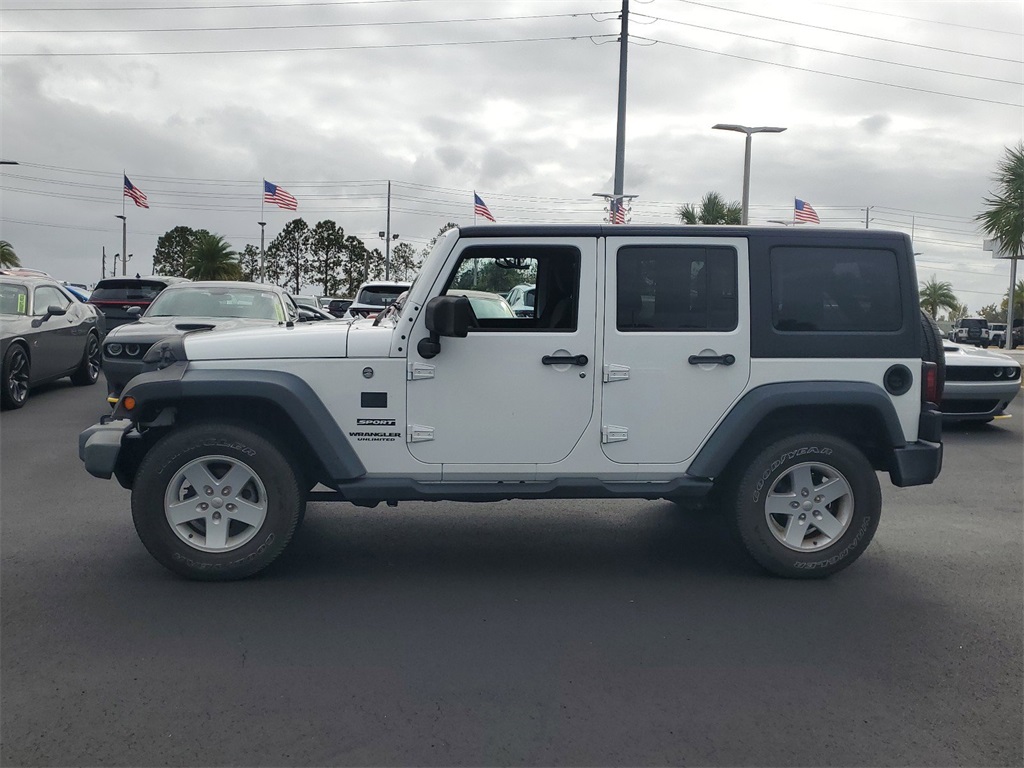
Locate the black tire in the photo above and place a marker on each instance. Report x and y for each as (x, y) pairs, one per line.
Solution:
(17, 371)
(88, 370)
(265, 484)
(806, 470)
(931, 348)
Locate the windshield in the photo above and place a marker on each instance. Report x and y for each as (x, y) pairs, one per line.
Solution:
(217, 302)
(13, 299)
(379, 295)
(126, 290)
(487, 307)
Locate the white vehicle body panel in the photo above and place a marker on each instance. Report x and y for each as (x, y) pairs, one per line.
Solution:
(278, 342)
(490, 399)
(663, 408)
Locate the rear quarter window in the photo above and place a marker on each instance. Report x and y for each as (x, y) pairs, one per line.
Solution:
(821, 289)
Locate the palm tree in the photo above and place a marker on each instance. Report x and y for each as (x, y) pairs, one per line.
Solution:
(1018, 301)
(8, 258)
(211, 258)
(713, 210)
(1004, 214)
(935, 295)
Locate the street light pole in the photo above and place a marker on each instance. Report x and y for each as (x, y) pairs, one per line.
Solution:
(746, 157)
(124, 245)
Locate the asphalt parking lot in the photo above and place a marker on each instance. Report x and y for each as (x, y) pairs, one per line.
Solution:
(552, 633)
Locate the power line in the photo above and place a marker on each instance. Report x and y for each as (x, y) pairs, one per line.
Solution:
(301, 26)
(834, 74)
(313, 49)
(853, 34)
(832, 53)
(927, 21)
(214, 7)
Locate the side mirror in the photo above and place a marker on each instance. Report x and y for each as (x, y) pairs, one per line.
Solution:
(51, 311)
(449, 316)
(134, 311)
(445, 316)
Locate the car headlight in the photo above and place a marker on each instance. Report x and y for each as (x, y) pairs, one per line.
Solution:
(132, 350)
(1012, 373)
(998, 373)
(114, 349)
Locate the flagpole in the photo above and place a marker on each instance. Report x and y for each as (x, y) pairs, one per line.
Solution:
(263, 225)
(124, 229)
(474, 207)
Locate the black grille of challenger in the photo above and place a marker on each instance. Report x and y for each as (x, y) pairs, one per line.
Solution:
(983, 373)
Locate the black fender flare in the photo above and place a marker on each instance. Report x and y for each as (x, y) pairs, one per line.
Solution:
(737, 426)
(292, 394)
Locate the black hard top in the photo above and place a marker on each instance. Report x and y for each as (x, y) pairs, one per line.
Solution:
(794, 234)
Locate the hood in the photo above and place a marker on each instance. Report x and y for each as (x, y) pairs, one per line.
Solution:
(301, 340)
(954, 350)
(162, 327)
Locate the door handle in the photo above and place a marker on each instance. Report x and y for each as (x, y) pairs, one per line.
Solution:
(711, 359)
(565, 359)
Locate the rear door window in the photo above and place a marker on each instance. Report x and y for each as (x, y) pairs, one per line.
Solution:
(835, 289)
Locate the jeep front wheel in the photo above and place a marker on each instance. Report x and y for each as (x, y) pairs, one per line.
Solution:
(215, 502)
(807, 506)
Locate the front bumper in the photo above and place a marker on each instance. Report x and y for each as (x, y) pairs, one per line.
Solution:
(99, 446)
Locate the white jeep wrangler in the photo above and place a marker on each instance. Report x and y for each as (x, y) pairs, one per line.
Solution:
(772, 372)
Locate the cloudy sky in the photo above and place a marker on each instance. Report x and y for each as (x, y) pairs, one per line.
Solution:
(896, 112)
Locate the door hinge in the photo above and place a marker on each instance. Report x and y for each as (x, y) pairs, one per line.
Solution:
(613, 434)
(418, 433)
(613, 372)
(419, 371)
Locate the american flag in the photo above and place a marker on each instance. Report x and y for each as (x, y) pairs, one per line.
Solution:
(277, 196)
(804, 212)
(136, 194)
(480, 208)
(618, 212)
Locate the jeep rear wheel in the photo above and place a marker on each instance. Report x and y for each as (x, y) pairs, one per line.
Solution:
(215, 502)
(806, 506)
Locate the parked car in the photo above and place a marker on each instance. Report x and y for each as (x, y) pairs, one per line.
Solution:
(116, 296)
(189, 307)
(485, 305)
(971, 330)
(373, 296)
(311, 314)
(46, 334)
(338, 307)
(522, 299)
(997, 333)
(979, 383)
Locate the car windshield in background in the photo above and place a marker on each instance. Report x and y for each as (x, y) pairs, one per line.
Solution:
(484, 307)
(13, 299)
(126, 290)
(216, 302)
(378, 297)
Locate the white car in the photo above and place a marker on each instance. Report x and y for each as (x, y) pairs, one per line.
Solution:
(374, 296)
(522, 299)
(979, 384)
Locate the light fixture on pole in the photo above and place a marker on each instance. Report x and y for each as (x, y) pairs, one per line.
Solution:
(746, 157)
(616, 202)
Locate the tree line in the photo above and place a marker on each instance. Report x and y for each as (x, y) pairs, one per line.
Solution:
(321, 255)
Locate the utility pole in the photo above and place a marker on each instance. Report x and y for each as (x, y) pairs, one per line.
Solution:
(620, 128)
(103, 269)
(867, 212)
(387, 238)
